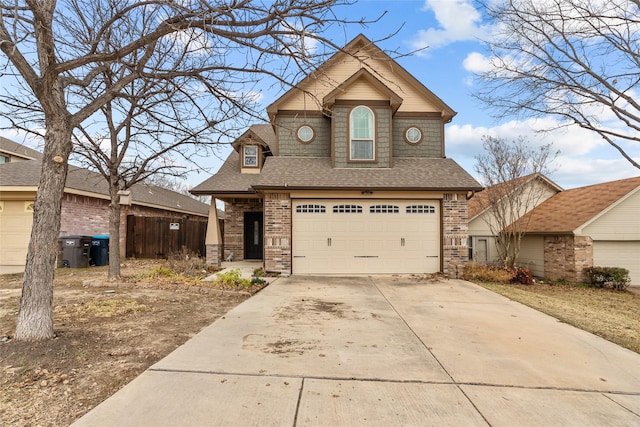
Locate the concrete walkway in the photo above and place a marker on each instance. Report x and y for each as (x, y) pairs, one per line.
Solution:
(382, 351)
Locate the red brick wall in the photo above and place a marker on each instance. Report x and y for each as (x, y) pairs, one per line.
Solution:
(88, 216)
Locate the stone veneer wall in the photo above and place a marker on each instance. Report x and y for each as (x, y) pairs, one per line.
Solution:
(566, 256)
(277, 233)
(455, 233)
(234, 226)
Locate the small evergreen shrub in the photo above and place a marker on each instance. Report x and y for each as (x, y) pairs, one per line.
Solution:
(608, 277)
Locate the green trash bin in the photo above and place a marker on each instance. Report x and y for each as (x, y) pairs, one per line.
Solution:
(99, 250)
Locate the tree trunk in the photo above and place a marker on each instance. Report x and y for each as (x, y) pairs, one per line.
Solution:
(114, 233)
(35, 317)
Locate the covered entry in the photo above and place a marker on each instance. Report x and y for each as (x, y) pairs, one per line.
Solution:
(354, 236)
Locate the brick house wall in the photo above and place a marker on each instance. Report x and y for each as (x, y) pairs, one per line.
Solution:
(455, 233)
(277, 232)
(234, 225)
(566, 256)
(89, 216)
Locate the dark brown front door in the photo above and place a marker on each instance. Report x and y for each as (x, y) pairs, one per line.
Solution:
(253, 235)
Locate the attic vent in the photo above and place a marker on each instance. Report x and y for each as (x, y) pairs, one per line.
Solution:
(384, 209)
(347, 209)
(311, 209)
(421, 209)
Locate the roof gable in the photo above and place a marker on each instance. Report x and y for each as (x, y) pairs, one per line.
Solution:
(362, 75)
(479, 203)
(262, 135)
(358, 54)
(571, 210)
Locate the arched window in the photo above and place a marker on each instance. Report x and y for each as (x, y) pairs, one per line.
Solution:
(362, 138)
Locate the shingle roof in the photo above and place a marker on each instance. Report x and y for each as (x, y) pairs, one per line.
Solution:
(406, 174)
(228, 179)
(27, 174)
(480, 201)
(570, 209)
(17, 149)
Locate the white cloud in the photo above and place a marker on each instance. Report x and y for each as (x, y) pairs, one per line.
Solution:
(477, 63)
(584, 158)
(458, 20)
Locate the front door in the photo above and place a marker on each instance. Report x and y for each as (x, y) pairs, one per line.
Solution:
(253, 235)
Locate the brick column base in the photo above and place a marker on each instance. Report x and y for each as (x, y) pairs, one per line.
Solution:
(214, 255)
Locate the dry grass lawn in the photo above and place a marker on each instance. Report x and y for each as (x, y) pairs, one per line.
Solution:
(613, 315)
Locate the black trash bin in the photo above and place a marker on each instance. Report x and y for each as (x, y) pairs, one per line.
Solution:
(73, 251)
(99, 250)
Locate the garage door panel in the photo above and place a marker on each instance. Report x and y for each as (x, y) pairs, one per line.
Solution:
(15, 232)
(366, 237)
(623, 254)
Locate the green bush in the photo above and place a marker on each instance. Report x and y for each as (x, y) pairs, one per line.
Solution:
(233, 278)
(608, 277)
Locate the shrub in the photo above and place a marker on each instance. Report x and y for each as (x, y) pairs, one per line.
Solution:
(161, 271)
(233, 278)
(523, 276)
(608, 277)
(487, 273)
(186, 263)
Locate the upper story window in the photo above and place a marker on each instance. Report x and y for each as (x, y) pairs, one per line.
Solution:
(362, 138)
(250, 156)
(4, 159)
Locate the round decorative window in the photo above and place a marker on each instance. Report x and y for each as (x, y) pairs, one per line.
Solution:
(413, 135)
(305, 133)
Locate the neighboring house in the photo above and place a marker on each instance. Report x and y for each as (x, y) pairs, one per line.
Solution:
(597, 225)
(11, 152)
(85, 206)
(523, 194)
(349, 177)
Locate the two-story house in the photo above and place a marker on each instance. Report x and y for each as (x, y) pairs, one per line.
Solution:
(349, 177)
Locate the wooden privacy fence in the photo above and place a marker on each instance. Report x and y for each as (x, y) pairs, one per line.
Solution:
(158, 237)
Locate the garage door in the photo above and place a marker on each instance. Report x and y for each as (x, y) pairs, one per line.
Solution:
(623, 254)
(16, 219)
(366, 237)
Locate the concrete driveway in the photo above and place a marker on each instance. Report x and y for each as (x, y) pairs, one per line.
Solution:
(329, 351)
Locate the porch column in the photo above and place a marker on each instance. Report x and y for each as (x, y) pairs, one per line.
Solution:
(213, 240)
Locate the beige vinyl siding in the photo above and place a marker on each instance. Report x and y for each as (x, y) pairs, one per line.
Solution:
(16, 221)
(341, 70)
(532, 254)
(622, 222)
(625, 254)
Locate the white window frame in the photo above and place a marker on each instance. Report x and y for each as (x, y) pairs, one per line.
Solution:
(251, 156)
(371, 138)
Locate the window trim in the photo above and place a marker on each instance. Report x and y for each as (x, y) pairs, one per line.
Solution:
(374, 145)
(406, 139)
(245, 157)
(313, 134)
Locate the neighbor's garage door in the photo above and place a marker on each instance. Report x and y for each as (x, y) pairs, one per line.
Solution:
(623, 254)
(16, 219)
(366, 237)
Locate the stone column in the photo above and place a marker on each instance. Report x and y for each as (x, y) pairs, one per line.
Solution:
(277, 233)
(455, 234)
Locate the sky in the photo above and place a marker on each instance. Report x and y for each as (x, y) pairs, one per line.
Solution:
(447, 31)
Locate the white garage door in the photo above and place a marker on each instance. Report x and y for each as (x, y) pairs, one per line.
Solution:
(16, 219)
(625, 254)
(366, 236)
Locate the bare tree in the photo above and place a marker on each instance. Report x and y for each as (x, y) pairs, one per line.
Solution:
(574, 59)
(513, 174)
(54, 50)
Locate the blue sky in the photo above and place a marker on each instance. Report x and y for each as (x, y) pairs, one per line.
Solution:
(450, 30)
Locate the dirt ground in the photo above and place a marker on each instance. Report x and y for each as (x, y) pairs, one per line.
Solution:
(613, 315)
(106, 335)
